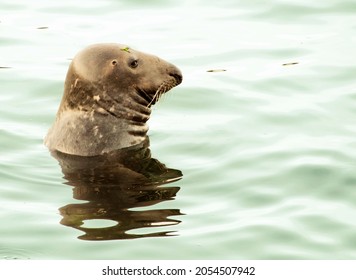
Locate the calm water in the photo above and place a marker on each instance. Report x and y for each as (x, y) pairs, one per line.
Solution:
(267, 148)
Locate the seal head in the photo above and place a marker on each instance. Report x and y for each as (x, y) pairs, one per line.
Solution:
(108, 94)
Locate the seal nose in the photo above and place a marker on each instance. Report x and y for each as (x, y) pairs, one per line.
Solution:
(177, 75)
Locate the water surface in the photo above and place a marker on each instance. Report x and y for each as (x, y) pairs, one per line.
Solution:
(267, 148)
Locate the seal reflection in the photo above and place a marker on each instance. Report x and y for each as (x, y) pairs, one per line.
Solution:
(114, 185)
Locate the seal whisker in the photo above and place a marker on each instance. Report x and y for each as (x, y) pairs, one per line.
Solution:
(154, 98)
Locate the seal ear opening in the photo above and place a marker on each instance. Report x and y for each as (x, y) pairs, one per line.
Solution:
(114, 62)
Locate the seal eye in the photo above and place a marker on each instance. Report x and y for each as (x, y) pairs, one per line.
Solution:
(134, 63)
(114, 62)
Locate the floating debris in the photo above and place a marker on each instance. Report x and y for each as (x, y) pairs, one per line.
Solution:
(217, 70)
(290, 63)
(42, 27)
(5, 67)
(127, 49)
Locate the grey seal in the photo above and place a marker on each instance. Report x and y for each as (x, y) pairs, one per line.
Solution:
(108, 94)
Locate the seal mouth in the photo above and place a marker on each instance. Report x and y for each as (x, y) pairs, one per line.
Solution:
(152, 96)
(145, 95)
(163, 88)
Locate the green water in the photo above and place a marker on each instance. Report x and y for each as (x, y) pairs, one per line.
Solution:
(267, 148)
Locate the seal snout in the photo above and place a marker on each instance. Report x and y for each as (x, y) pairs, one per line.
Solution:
(176, 74)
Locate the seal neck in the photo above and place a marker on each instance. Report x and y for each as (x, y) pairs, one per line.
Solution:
(121, 118)
(129, 106)
(94, 121)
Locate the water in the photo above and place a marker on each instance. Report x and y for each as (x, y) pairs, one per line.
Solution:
(267, 148)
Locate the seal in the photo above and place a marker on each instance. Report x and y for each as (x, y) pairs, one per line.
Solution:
(108, 94)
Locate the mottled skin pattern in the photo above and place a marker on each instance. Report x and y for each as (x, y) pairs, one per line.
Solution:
(108, 92)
